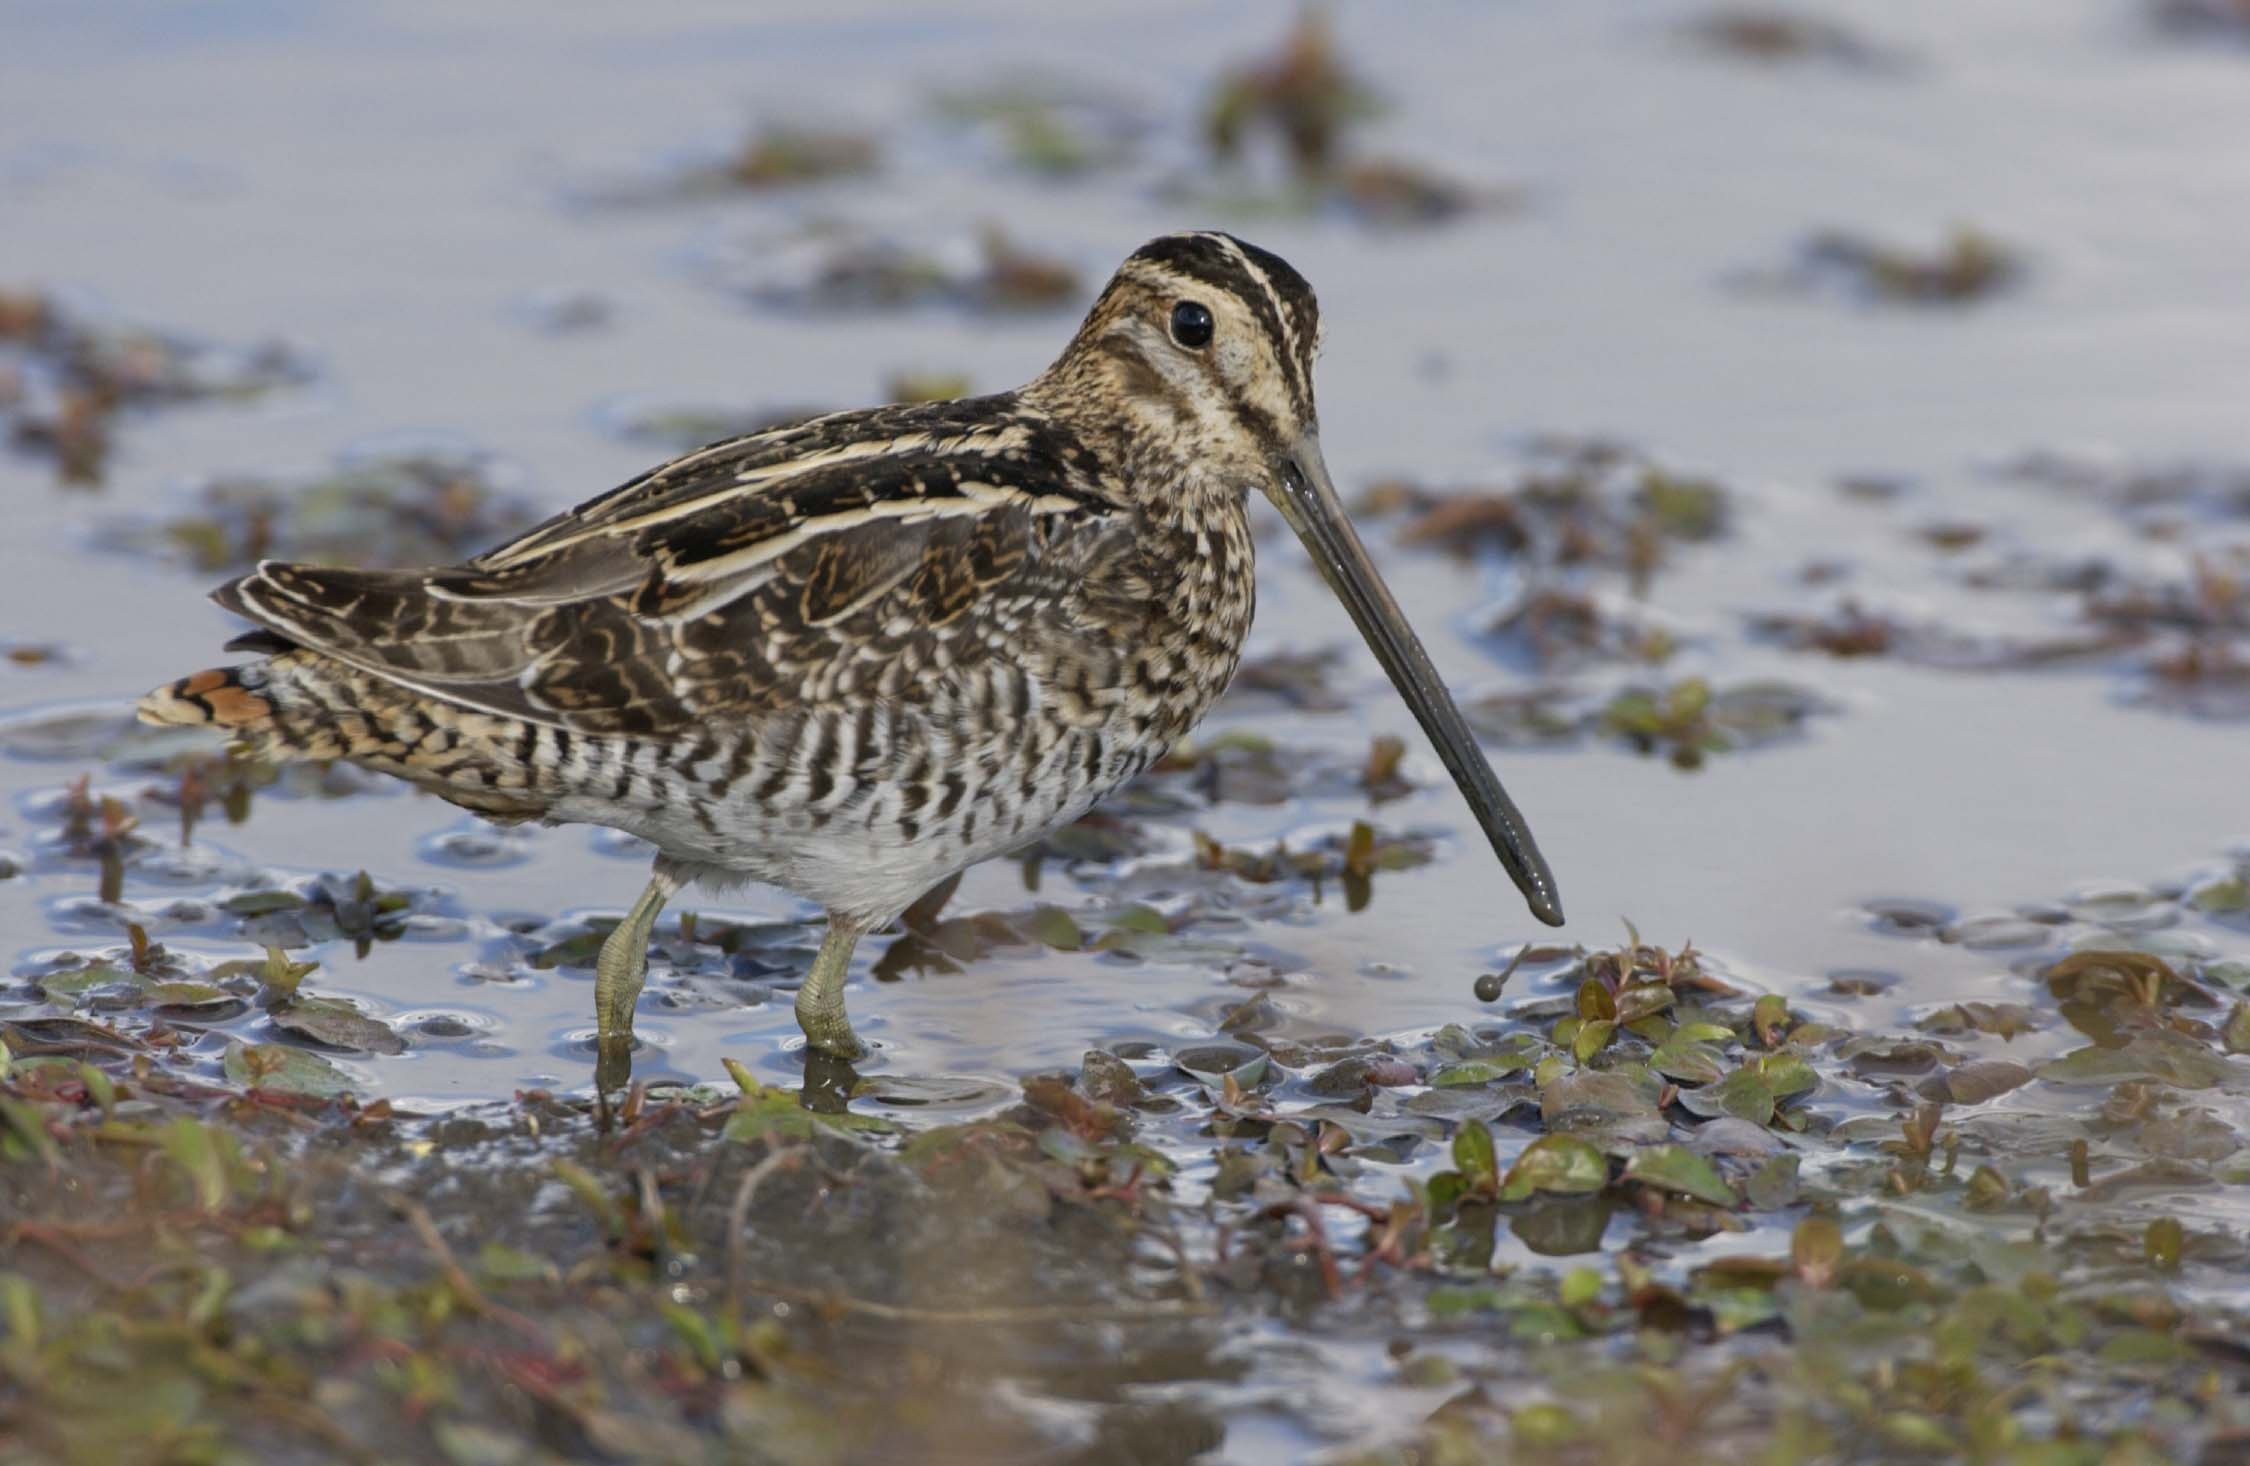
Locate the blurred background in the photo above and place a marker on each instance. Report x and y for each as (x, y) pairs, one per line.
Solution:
(1812, 441)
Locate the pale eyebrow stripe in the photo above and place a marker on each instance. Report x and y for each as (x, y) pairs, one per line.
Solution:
(1300, 389)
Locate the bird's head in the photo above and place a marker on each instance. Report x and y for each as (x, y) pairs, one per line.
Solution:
(1199, 353)
(1203, 345)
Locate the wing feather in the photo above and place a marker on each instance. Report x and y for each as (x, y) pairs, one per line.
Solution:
(740, 579)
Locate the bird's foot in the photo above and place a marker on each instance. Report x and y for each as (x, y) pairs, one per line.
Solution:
(619, 973)
(622, 966)
(820, 1002)
(613, 1063)
(827, 1027)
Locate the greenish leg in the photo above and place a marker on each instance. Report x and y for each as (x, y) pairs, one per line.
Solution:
(623, 964)
(820, 1002)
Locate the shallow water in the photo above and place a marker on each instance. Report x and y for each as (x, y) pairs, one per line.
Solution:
(234, 189)
(387, 186)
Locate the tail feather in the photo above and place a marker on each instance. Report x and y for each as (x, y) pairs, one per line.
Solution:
(224, 697)
(302, 705)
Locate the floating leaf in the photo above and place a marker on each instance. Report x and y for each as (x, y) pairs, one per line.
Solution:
(2159, 1055)
(1774, 1184)
(1769, 1017)
(1214, 1065)
(187, 995)
(1815, 1249)
(75, 982)
(1474, 1156)
(1604, 1106)
(279, 1066)
(1055, 927)
(1479, 1071)
(1979, 1080)
(1743, 1094)
(262, 903)
(1676, 1168)
(1556, 1163)
(336, 1023)
(1643, 1000)
(2163, 1243)
(573, 951)
(1787, 1075)
(775, 1114)
(1689, 1060)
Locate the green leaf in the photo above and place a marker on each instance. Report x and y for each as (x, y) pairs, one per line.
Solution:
(1744, 1094)
(1476, 1071)
(1592, 1035)
(1643, 1000)
(1676, 1168)
(1769, 1016)
(1817, 1249)
(1556, 1163)
(1987, 1191)
(2226, 895)
(28, 1122)
(279, 1066)
(1055, 927)
(774, 1114)
(1787, 1075)
(2163, 1243)
(1982, 1079)
(1774, 1183)
(574, 951)
(1146, 920)
(1605, 1106)
(2160, 1055)
(204, 1156)
(280, 976)
(338, 1024)
(262, 903)
(1474, 1156)
(2236, 1033)
(1688, 1060)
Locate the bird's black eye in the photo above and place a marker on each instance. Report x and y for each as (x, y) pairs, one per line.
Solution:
(1191, 324)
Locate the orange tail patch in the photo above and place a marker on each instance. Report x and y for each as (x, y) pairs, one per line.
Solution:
(216, 696)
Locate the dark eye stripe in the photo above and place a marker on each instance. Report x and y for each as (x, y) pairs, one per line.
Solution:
(1265, 285)
(1268, 288)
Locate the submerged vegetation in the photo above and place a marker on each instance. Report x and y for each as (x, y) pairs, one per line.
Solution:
(1880, 1231)
(1772, 36)
(69, 374)
(829, 268)
(382, 509)
(1306, 103)
(1966, 267)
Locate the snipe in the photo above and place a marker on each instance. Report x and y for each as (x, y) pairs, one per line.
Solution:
(851, 656)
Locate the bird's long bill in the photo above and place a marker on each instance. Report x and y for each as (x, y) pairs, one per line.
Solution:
(1307, 499)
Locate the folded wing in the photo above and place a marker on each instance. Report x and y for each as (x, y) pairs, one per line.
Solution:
(846, 556)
